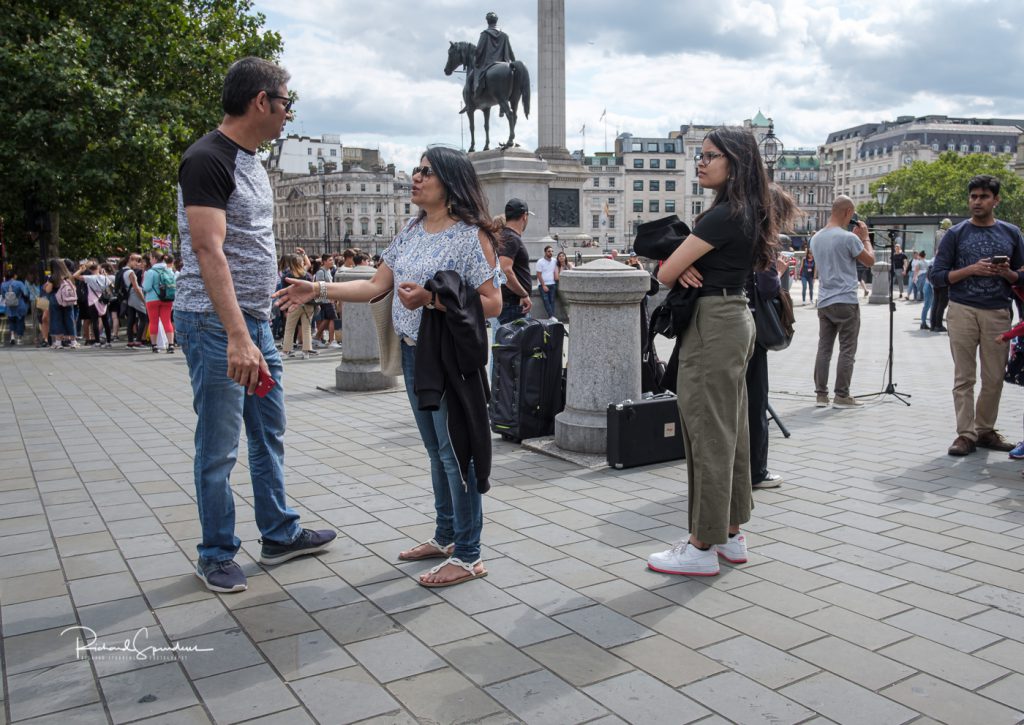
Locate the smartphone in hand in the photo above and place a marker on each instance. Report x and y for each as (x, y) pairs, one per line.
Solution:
(1000, 259)
(265, 384)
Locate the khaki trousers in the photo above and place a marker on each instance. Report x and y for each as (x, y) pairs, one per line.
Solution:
(972, 334)
(842, 320)
(712, 391)
(299, 315)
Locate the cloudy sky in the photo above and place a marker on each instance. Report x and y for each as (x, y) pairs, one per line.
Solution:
(372, 70)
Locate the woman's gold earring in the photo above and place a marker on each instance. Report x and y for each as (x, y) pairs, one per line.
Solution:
(449, 207)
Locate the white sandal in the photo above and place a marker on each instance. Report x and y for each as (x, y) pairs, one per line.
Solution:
(455, 561)
(440, 552)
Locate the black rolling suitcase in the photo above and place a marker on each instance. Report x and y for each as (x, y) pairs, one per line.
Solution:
(644, 431)
(526, 378)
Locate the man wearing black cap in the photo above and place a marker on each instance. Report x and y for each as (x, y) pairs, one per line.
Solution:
(515, 263)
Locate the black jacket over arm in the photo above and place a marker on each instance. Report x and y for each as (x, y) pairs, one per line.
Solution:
(451, 360)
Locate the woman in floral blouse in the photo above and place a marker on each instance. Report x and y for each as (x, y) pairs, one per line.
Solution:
(453, 231)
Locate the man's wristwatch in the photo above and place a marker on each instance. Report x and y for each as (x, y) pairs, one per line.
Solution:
(433, 300)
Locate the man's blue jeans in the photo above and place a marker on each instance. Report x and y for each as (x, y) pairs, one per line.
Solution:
(458, 504)
(222, 406)
(548, 298)
(510, 311)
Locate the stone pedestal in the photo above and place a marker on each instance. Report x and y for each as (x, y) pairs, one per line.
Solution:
(604, 349)
(880, 284)
(516, 173)
(360, 357)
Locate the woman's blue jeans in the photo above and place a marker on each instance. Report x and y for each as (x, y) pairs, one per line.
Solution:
(222, 406)
(929, 295)
(458, 504)
(805, 284)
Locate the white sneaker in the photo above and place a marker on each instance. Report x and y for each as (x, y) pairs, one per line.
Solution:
(335, 345)
(319, 344)
(686, 559)
(734, 551)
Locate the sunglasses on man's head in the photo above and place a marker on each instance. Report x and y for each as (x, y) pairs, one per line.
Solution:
(425, 171)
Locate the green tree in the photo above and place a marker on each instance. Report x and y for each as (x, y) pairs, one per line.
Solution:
(940, 187)
(100, 99)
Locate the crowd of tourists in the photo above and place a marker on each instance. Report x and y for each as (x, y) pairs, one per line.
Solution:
(98, 302)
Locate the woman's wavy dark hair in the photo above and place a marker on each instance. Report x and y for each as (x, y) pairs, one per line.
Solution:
(463, 195)
(785, 208)
(746, 190)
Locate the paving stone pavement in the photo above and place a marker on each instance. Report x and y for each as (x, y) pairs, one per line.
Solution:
(885, 582)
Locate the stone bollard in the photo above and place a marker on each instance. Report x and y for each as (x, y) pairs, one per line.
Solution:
(880, 283)
(603, 297)
(360, 357)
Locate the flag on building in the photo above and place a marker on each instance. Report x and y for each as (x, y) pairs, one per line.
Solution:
(603, 114)
(605, 214)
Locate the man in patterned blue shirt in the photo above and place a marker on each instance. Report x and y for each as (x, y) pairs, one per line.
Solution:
(977, 260)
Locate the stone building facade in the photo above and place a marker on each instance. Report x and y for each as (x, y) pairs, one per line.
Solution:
(860, 155)
(328, 196)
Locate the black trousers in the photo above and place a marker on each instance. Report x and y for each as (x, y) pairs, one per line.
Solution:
(939, 303)
(135, 322)
(757, 412)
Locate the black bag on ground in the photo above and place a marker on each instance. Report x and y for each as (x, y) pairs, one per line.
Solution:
(526, 378)
(644, 431)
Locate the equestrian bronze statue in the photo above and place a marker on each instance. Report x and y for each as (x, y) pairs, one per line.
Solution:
(493, 78)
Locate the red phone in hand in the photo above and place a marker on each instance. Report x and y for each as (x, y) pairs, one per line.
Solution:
(266, 383)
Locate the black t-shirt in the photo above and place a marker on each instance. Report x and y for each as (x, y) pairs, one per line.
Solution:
(898, 260)
(511, 245)
(730, 262)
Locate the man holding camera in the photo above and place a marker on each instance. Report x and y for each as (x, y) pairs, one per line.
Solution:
(976, 260)
(837, 249)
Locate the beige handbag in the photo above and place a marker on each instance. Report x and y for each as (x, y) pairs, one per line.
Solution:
(387, 341)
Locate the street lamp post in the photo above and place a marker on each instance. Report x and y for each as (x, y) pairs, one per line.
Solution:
(882, 195)
(771, 150)
(327, 225)
(323, 194)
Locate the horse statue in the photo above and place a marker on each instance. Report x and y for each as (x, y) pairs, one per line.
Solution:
(504, 85)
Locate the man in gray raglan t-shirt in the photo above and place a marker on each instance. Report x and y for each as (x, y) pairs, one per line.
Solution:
(221, 314)
(836, 253)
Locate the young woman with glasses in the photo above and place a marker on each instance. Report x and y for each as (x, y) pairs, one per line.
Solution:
(736, 234)
(452, 233)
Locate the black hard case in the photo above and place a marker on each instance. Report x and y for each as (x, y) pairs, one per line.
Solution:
(641, 432)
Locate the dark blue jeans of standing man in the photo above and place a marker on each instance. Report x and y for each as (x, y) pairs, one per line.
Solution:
(458, 504)
(548, 298)
(222, 406)
(510, 311)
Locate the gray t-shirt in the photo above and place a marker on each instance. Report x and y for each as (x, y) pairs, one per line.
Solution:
(835, 253)
(217, 172)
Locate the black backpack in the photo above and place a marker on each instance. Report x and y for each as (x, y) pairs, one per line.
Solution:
(120, 290)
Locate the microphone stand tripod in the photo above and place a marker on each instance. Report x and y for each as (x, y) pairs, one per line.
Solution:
(890, 388)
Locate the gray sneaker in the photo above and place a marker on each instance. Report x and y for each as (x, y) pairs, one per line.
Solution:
(307, 542)
(221, 576)
(846, 401)
(822, 401)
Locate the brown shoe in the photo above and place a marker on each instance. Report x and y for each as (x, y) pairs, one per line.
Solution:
(994, 441)
(962, 446)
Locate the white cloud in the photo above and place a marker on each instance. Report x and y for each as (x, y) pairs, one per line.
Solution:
(372, 71)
